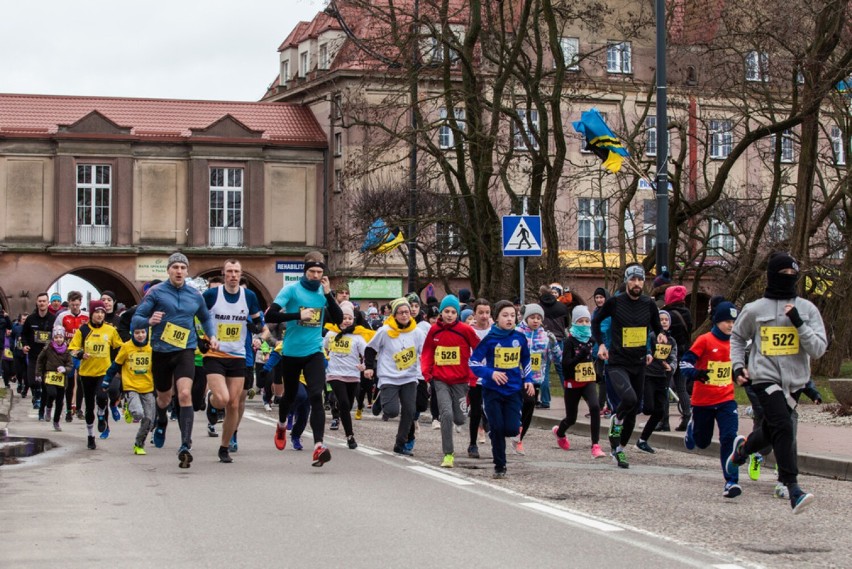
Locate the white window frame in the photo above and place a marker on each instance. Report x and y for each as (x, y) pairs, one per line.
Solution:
(835, 242)
(338, 144)
(721, 133)
(94, 204)
(324, 60)
(227, 189)
(446, 134)
(837, 146)
(783, 219)
(619, 57)
(651, 133)
(757, 66)
(285, 72)
(592, 224)
(304, 64)
(720, 239)
(337, 107)
(649, 225)
(788, 153)
(338, 181)
(570, 53)
(448, 239)
(530, 128)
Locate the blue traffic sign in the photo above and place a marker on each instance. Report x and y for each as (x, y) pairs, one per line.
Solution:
(521, 235)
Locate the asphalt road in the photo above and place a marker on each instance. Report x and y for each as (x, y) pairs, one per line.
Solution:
(371, 508)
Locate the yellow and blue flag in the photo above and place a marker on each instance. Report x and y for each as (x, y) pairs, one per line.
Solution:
(382, 239)
(601, 140)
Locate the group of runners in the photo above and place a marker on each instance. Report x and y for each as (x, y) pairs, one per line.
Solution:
(471, 362)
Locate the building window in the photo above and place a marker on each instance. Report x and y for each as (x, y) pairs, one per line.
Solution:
(337, 107)
(836, 243)
(338, 181)
(338, 143)
(94, 189)
(226, 207)
(446, 134)
(787, 153)
(323, 56)
(285, 72)
(651, 133)
(303, 64)
(838, 146)
(448, 239)
(649, 225)
(757, 66)
(592, 220)
(721, 138)
(720, 241)
(529, 120)
(781, 224)
(570, 53)
(619, 57)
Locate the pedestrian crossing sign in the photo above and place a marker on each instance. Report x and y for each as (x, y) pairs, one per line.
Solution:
(521, 235)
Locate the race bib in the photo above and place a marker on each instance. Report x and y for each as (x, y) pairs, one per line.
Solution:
(584, 372)
(140, 363)
(663, 351)
(42, 336)
(175, 336)
(507, 358)
(7, 353)
(229, 332)
(779, 340)
(315, 321)
(719, 373)
(55, 378)
(448, 356)
(96, 349)
(341, 346)
(405, 358)
(535, 361)
(634, 337)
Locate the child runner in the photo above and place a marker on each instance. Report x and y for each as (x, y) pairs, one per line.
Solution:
(502, 361)
(445, 364)
(345, 348)
(708, 363)
(544, 349)
(662, 360)
(137, 382)
(578, 368)
(51, 365)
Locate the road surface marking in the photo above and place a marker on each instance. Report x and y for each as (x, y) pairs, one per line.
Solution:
(582, 520)
(441, 476)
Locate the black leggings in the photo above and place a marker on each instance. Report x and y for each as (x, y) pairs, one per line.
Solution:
(627, 384)
(92, 390)
(54, 396)
(474, 397)
(345, 392)
(365, 391)
(777, 427)
(314, 370)
(655, 402)
(527, 410)
(572, 402)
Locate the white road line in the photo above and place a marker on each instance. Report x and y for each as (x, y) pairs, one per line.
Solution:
(261, 420)
(582, 520)
(368, 451)
(728, 566)
(441, 476)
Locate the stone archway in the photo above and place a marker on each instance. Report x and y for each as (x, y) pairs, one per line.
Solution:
(263, 296)
(106, 279)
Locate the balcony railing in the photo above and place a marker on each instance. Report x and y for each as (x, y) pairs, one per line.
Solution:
(226, 237)
(94, 235)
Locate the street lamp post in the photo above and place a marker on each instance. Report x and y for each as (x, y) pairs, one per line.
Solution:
(662, 185)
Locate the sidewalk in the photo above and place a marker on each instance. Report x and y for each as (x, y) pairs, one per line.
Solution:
(823, 450)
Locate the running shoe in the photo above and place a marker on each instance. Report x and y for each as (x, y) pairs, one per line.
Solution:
(518, 446)
(321, 455)
(597, 451)
(615, 434)
(358, 414)
(80, 415)
(252, 393)
(91, 443)
(267, 407)
(69, 416)
(732, 490)
(755, 461)
(212, 414)
(297, 443)
(409, 445)
(481, 435)
(116, 415)
(48, 413)
(101, 423)
(781, 491)
(399, 449)
(56, 426)
(689, 436)
(620, 459)
(376, 408)
(436, 424)
(350, 442)
(290, 422)
(184, 456)
(335, 424)
(138, 450)
(735, 459)
(128, 418)
(448, 461)
(280, 437)
(105, 434)
(224, 456)
(561, 441)
(211, 430)
(645, 447)
(801, 501)
(473, 451)
(159, 437)
(499, 473)
(232, 445)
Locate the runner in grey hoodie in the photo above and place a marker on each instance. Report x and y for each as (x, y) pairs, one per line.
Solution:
(786, 332)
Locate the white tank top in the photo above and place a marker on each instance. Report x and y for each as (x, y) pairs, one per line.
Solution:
(229, 321)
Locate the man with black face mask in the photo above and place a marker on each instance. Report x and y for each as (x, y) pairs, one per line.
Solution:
(786, 332)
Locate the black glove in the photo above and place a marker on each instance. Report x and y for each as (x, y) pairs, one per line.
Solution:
(738, 373)
(584, 351)
(794, 317)
(254, 327)
(701, 375)
(203, 345)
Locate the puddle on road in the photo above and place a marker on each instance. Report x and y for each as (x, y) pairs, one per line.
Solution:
(14, 448)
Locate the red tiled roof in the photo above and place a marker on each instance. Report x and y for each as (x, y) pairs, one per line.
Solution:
(280, 123)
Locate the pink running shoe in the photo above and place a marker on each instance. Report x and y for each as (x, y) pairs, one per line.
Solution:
(597, 452)
(561, 441)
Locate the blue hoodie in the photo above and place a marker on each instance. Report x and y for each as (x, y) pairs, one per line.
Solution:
(181, 306)
(508, 343)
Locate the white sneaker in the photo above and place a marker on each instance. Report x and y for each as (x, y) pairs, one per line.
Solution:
(781, 491)
(436, 425)
(267, 407)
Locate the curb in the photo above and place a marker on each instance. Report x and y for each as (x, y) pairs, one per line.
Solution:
(6, 411)
(813, 464)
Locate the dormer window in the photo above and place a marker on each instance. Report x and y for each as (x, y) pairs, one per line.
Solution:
(303, 64)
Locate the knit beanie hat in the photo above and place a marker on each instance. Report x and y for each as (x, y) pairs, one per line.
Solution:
(780, 261)
(634, 271)
(725, 311)
(96, 305)
(177, 257)
(580, 311)
(110, 294)
(451, 301)
(347, 308)
(531, 309)
(465, 314)
(464, 295)
(397, 304)
(600, 291)
(412, 298)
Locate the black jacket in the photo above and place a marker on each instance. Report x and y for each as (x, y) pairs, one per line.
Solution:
(556, 315)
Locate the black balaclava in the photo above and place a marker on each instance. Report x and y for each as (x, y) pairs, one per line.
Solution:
(780, 286)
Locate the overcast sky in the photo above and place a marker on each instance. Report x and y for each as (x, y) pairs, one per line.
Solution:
(183, 49)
